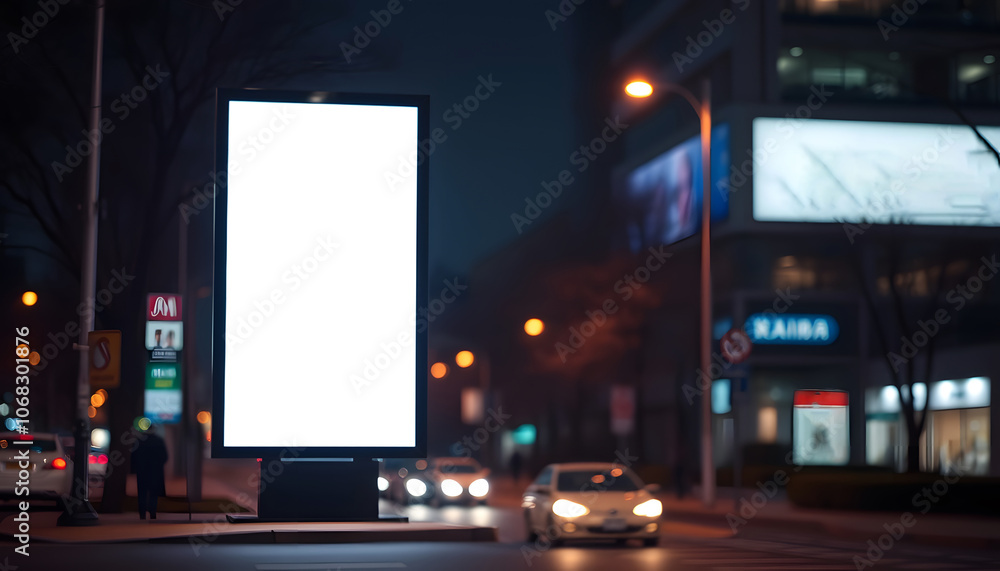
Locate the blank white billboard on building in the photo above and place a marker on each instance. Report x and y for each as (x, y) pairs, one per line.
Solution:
(812, 170)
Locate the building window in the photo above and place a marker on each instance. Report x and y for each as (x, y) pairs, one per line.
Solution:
(790, 272)
(855, 74)
(836, 7)
(979, 77)
(767, 424)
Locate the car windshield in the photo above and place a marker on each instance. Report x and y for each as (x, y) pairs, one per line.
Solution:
(613, 480)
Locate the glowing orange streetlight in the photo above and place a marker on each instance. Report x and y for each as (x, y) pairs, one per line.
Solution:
(439, 370)
(534, 326)
(204, 417)
(29, 298)
(464, 359)
(639, 89)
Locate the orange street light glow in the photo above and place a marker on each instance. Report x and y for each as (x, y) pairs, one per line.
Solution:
(464, 359)
(29, 298)
(534, 326)
(439, 370)
(639, 89)
(204, 417)
(34, 358)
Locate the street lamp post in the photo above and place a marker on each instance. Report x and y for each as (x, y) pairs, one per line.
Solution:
(703, 108)
(77, 508)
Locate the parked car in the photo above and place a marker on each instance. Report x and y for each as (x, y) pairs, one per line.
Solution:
(50, 469)
(591, 501)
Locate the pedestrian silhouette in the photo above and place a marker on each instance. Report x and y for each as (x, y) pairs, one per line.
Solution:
(147, 462)
(515, 466)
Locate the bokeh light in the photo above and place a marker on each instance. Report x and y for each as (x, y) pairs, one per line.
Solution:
(97, 399)
(439, 370)
(100, 437)
(91, 411)
(204, 417)
(29, 298)
(464, 359)
(534, 326)
(34, 358)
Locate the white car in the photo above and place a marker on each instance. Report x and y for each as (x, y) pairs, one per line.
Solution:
(591, 501)
(450, 480)
(50, 470)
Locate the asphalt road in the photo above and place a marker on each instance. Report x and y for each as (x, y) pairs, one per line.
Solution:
(684, 546)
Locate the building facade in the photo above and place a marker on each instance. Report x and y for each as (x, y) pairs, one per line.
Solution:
(855, 223)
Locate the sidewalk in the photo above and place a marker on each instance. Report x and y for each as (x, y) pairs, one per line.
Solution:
(753, 508)
(227, 487)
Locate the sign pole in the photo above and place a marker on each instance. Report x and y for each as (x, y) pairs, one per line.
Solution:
(77, 509)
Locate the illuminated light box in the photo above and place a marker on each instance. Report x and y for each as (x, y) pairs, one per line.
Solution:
(320, 268)
(662, 198)
(819, 428)
(791, 329)
(815, 170)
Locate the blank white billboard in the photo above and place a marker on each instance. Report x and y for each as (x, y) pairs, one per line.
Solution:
(812, 170)
(321, 276)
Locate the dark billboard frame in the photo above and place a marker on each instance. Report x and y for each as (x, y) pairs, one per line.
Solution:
(220, 178)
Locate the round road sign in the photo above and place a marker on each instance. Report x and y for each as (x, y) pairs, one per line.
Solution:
(736, 346)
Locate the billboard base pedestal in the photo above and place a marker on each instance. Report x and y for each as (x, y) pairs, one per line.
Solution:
(321, 490)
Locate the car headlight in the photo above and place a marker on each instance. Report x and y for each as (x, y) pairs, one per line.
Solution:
(416, 488)
(566, 508)
(649, 508)
(451, 488)
(383, 484)
(479, 488)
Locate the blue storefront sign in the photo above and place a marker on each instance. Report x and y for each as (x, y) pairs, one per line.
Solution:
(792, 329)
